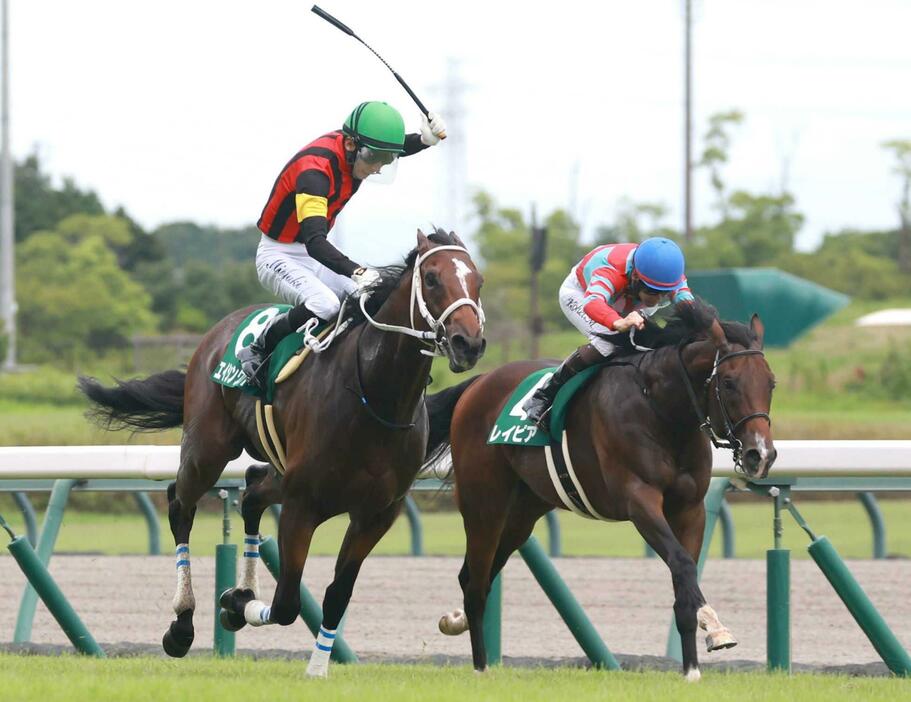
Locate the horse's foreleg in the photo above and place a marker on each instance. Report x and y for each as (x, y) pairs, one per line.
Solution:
(646, 512)
(359, 541)
(688, 526)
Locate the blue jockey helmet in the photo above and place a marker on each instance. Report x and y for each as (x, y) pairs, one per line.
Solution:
(659, 263)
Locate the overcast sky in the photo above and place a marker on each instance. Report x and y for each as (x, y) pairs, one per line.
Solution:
(188, 110)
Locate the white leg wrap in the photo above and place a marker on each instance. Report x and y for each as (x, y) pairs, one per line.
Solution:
(183, 598)
(318, 667)
(248, 579)
(257, 613)
(693, 675)
(717, 635)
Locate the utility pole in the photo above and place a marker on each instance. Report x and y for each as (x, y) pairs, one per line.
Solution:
(536, 263)
(7, 253)
(688, 123)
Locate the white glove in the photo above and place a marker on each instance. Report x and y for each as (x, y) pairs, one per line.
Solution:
(433, 128)
(364, 278)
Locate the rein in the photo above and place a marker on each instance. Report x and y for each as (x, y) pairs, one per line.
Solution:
(729, 440)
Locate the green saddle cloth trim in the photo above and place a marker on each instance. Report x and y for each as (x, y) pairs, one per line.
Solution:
(228, 371)
(513, 429)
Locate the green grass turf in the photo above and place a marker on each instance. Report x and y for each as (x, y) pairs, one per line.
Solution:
(69, 678)
(844, 522)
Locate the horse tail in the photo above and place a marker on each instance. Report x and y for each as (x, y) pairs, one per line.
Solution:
(150, 404)
(440, 408)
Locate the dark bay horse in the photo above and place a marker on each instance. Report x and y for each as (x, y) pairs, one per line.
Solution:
(353, 422)
(637, 440)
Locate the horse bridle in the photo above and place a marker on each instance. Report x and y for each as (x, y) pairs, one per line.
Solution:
(437, 333)
(729, 441)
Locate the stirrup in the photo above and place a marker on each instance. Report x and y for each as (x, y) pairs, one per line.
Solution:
(311, 341)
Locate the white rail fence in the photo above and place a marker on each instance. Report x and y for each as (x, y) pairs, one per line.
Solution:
(795, 458)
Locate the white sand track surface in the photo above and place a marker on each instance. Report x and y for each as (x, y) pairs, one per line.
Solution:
(398, 601)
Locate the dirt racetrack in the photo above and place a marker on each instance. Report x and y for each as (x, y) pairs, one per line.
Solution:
(398, 601)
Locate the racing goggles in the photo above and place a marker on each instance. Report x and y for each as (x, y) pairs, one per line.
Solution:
(373, 157)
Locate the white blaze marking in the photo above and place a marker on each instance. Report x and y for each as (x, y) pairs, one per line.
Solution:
(463, 271)
(761, 447)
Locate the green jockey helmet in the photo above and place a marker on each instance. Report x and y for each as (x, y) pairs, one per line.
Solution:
(378, 126)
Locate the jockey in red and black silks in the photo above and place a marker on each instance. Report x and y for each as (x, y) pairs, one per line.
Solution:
(610, 291)
(294, 259)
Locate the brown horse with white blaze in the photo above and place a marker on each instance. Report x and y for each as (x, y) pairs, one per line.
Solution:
(353, 422)
(638, 437)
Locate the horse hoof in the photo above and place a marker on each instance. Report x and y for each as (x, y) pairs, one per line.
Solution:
(235, 599)
(454, 623)
(718, 640)
(693, 675)
(179, 636)
(231, 621)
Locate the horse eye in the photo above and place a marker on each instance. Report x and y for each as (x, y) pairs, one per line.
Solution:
(431, 279)
(728, 384)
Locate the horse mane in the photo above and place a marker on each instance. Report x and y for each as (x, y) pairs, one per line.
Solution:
(690, 321)
(390, 277)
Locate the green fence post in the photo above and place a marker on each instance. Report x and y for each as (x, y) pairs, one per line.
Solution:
(225, 576)
(554, 540)
(493, 622)
(43, 584)
(151, 516)
(778, 609)
(567, 605)
(28, 514)
(311, 612)
(53, 518)
(857, 602)
(414, 522)
(714, 497)
(726, 519)
(876, 522)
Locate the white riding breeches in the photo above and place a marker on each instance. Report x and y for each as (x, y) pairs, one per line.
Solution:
(288, 271)
(572, 298)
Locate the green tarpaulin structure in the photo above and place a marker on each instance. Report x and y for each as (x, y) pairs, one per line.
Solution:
(789, 306)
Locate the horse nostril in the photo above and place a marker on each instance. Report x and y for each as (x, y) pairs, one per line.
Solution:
(751, 460)
(482, 347)
(459, 343)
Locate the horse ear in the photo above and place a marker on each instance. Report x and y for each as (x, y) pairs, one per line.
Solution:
(758, 328)
(457, 240)
(719, 340)
(423, 242)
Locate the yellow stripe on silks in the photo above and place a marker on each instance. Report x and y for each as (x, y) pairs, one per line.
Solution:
(263, 439)
(310, 206)
(276, 441)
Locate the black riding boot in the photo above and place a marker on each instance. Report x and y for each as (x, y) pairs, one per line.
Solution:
(253, 357)
(537, 409)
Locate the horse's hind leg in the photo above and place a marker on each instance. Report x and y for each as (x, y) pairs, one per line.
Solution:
(361, 537)
(202, 459)
(295, 531)
(484, 503)
(526, 509)
(263, 488)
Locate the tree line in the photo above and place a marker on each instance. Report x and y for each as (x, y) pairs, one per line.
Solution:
(88, 280)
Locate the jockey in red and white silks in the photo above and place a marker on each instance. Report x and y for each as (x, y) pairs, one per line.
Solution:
(611, 290)
(599, 290)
